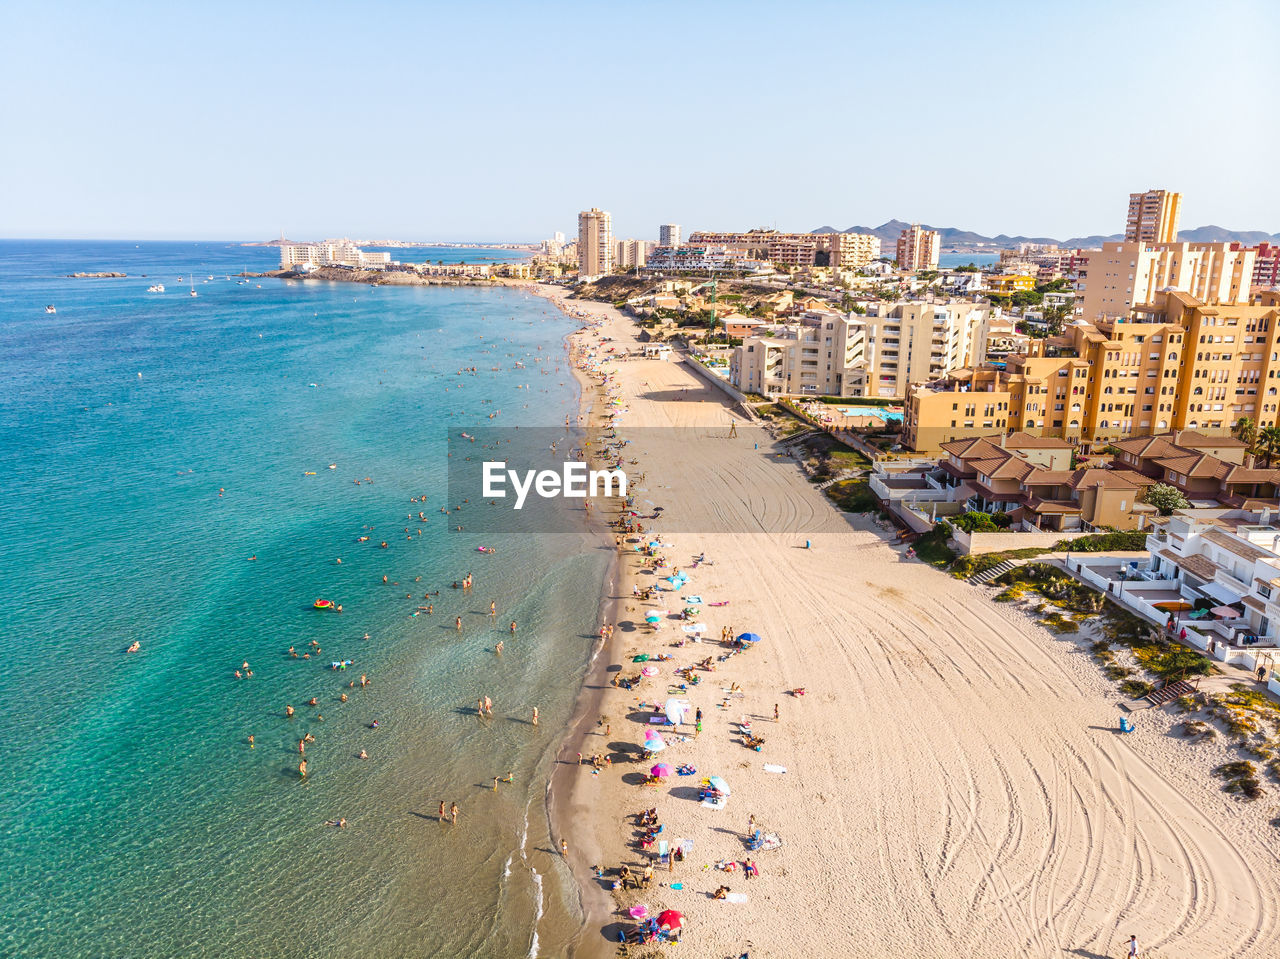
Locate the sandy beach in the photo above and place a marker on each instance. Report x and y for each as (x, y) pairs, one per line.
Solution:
(954, 785)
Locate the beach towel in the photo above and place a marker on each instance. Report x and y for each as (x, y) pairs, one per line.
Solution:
(774, 768)
(662, 849)
(693, 600)
(738, 897)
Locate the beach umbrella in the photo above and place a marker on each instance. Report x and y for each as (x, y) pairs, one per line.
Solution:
(720, 784)
(655, 744)
(748, 638)
(1225, 612)
(652, 618)
(675, 710)
(660, 770)
(638, 912)
(649, 671)
(670, 919)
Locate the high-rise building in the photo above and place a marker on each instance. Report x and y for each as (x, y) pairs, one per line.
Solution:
(629, 253)
(595, 243)
(558, 236)
(1153, 217)
(669, 234)
(878, 355)
(1176, 363)
(1266, 266)
(918, 249)
(1121, 276)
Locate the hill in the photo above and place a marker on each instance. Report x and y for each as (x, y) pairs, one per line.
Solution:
(952, 237)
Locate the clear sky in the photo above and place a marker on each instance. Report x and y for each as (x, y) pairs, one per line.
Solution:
(500, 120)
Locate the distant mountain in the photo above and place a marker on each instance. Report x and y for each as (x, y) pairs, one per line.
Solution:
(952, 237)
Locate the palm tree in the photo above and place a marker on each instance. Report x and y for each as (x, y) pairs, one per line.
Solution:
(1269, 443)
(1246, 431)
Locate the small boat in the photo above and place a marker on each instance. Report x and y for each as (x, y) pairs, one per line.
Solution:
(323, 604)
(51, 308)
(158, 288)
(193, 286)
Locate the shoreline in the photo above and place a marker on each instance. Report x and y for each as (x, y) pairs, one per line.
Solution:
(563, 791)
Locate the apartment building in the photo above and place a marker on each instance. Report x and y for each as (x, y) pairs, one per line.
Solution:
(1175, 364)
(879, 354)
(917, 341)
(918, 249)
(1153, 217)
(669, 234)
(1266, 266)
(703, 259)
(595, 243)
(631, 253)
(839, 250)
(808, 358)
(331, 253)
(1121, 276)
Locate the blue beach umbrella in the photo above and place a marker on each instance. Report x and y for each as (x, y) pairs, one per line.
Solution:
(748, 638)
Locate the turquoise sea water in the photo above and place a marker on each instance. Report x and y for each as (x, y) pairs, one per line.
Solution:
(152, 444)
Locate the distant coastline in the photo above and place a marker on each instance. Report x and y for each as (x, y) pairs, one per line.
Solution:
(388, 278)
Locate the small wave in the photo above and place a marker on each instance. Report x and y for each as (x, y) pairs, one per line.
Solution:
(506, 868)
(537, 916)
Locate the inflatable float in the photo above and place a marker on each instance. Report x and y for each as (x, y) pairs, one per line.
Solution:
(323, 604)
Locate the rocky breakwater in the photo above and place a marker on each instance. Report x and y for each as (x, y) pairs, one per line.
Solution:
(94, 276)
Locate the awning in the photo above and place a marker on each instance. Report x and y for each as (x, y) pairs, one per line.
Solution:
(1222, 594)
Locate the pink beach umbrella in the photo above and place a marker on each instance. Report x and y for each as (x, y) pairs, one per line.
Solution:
(661, 770)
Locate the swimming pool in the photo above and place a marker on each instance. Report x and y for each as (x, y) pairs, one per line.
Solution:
(887, 413)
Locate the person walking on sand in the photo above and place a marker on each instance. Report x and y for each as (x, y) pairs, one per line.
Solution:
(775, 712)
(453, 813)
(564, 848)
(1133, 946)
(535, 715)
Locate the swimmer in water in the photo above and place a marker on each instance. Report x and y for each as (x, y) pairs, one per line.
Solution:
(288, 712)
(363, 755)
(442, 810)
(457, 623)
(498, 649)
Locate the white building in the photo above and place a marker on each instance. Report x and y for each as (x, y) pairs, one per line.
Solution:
(331, 253)
(1224, 562)
(669, 234)
(809, 358)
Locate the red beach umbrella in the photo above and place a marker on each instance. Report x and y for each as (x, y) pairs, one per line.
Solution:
(670, 919)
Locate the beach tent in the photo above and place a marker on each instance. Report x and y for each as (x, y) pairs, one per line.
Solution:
(748, 638)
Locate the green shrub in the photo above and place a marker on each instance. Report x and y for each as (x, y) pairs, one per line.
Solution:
(1106, 542)
(854, 496)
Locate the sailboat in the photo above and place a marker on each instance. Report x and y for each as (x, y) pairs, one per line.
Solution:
(193, 285)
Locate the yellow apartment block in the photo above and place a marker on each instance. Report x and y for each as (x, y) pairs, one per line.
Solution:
(1011, 283)
(1175, 364)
